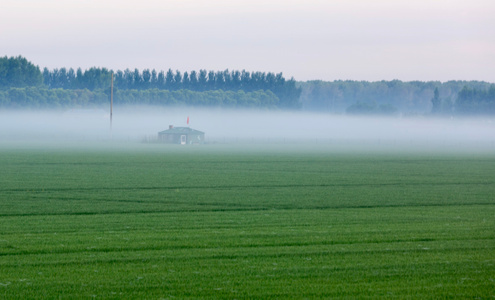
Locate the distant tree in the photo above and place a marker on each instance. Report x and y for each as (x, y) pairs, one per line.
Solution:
(161, 80)
(154, 79)
(79, 78)
(202, 80)
(71, 79)
(436, 102)
(128, 79)
(137, 79)
(170, 80)
(211, 83)
(19, 72)
(119, 80)
(270, 79)
(146, 79)
(246, 81)
(178, 80)
(279, 80)
(47, 77)
(193, 81)
(185, 81)
(236, 80)
(64, 82)
(257, 81)
(227, 80)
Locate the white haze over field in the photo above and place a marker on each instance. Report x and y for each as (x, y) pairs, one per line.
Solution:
(134, 125)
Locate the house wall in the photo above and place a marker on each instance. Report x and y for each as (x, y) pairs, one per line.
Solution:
(174, 138)
(196, 139)
(170, 138)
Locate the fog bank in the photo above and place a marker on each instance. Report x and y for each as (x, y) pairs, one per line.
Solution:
(138, 124)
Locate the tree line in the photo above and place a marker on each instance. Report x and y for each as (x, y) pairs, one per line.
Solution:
(34, 97)
(201, 81)
(233, 88)
(394, 97)
(476, 101)
(22, 84)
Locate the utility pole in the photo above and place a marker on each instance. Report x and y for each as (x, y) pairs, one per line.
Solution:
(111, 102)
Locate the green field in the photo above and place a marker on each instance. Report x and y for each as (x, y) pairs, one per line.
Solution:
(191, 222)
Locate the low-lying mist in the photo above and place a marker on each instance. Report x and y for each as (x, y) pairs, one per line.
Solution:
(133, 125)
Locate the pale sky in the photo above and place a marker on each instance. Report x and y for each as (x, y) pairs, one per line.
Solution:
(305, 39)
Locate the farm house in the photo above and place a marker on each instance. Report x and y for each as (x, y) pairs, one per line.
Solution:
(181, 135)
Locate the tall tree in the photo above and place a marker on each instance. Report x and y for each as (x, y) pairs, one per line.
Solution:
(211, 81)
(119, 80)
(146, 78)
(154, 79)
(236, 80)
(137, 79)
(202, 80)
(47, 77)
(436, 102)
(219, 80)
(170, 80)
(246, 80)
(19, 72)
(227, 80)
(71, 78)
(178, 80)
(161, 80)
(79, 78)
(129, 79)
(193, 79)
(185, 81)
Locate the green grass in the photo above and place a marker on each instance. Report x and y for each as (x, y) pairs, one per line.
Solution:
(193, 223)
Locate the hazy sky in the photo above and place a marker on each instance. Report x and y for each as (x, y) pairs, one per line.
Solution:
(307, 39)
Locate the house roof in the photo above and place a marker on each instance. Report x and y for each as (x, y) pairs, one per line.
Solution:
(181, 130)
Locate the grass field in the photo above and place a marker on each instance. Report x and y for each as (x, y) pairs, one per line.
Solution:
(185, 222)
